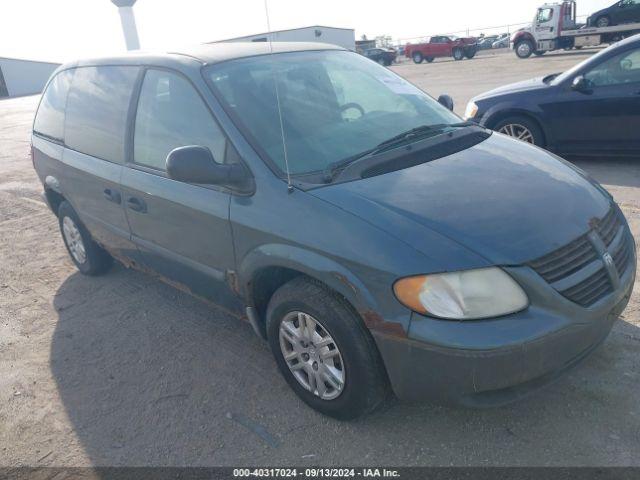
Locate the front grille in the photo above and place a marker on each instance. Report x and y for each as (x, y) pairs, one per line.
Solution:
(577, 270)
(566, 260)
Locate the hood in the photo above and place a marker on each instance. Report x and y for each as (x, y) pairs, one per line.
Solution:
(527, 85)
(503, 199)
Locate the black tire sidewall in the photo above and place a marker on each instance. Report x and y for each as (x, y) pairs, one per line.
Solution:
(97, 260)
(362, 384)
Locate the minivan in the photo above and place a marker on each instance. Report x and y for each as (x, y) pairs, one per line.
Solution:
(379, 244)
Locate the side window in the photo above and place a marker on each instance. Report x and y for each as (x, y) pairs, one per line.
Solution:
(97, 111)
(545, 15)
(171, 114)
(621, 69)
(50, 116)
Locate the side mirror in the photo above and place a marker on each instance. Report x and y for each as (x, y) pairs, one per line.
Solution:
(195, 164)
(580, 84)
(446, 101)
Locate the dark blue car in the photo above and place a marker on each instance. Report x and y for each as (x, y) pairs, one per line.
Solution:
(592, 109)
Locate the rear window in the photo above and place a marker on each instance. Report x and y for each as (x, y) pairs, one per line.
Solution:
(49, 120)
(97, 110)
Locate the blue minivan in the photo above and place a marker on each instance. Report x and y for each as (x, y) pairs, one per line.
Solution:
(377, 242)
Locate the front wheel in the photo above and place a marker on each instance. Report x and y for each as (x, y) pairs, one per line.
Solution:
(324, 351)
(429, 59)
(521, 128)
(524, 49)
(417, 57)
(470, 53)
(87, 255)
(458, 54)
(603, 22)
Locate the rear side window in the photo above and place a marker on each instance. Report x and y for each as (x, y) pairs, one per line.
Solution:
(97, 111)
(49, 120)
(171, 114)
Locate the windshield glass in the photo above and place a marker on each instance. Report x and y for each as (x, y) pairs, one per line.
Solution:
(334, 105)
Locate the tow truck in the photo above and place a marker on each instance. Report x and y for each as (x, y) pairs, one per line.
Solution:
(554, 27)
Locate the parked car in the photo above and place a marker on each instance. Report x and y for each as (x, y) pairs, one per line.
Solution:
(375, 241)
(441, 46)
(502, 41)
(486, 43)
(592, 109)
(623, 11)
(384, 56)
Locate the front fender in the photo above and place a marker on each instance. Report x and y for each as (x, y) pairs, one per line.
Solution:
(310, 263)
(506, 109)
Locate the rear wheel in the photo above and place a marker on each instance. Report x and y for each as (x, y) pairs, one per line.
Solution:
(87, 255)
(603, 22)
(521, 128)
(470, 52)
(524, 48)
(429, 59)
(324, 351)
(417, 57)
(458, 54)
(382, 61)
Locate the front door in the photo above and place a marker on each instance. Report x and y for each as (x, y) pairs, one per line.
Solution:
(606, 116)
(182, 230)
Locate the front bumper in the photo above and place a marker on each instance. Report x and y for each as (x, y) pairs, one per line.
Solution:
(496, 361)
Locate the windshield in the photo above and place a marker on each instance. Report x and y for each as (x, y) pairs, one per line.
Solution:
(334, 105)
(594, 60)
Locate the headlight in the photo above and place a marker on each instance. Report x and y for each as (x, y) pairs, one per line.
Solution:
(472, 110)
(467, 295)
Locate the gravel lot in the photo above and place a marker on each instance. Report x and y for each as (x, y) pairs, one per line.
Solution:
(124, 370)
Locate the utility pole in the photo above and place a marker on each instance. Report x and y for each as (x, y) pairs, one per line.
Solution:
(128, 21)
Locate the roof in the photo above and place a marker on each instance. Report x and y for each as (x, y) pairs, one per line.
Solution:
(206, 53)
(280, 31)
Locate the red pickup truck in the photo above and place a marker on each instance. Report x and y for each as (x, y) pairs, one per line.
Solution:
(442, 46)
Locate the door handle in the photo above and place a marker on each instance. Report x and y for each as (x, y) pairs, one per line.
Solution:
(112, 195)
(137, 205)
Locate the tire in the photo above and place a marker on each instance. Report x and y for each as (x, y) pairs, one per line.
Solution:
(382, 61)
(417, 57)
(94, 261)
(429, 59)
(504, 126)
(539, 53)
(524, 49)
(458, 54)
(603, 22)
(470, 53)
(579, 47)
(365, 384)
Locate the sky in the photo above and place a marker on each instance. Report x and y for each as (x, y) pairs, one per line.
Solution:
(62, 30)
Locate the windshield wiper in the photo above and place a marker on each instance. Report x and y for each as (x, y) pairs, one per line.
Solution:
(416, 133)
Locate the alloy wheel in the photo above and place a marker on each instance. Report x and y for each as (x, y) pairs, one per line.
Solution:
(74, 240)
(518, 131)
(312, 355)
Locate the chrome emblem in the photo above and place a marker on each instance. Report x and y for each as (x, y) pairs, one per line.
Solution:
(608, 259)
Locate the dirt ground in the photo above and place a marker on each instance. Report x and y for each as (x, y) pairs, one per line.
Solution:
(124, 370)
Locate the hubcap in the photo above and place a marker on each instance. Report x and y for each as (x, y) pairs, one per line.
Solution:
(524, 49)
(312, 355)
(74, 240)
(518, 131)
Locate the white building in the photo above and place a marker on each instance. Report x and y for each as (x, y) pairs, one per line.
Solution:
(23, 77)
(343, 37)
